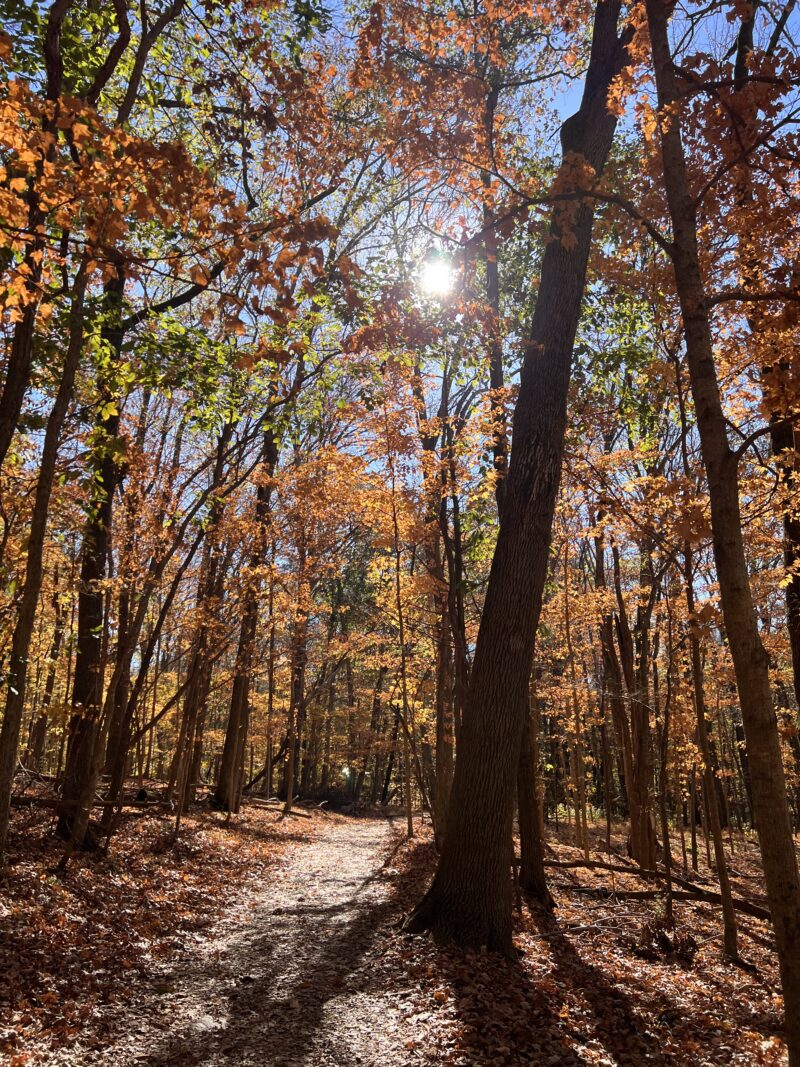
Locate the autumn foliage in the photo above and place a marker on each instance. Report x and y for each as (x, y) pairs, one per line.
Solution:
(398, 400)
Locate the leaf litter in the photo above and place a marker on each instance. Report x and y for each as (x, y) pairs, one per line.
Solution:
(278, 943)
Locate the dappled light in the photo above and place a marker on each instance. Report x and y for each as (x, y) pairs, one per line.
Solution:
(399, 533)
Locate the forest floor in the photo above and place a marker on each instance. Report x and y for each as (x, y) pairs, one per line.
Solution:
(277, 943)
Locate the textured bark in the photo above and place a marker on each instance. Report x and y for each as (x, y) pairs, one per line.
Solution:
(470, 900)
(750, 660)
(775, 372)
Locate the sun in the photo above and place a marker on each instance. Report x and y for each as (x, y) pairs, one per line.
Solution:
(437, 277)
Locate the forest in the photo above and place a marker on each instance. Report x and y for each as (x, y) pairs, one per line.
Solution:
(399, 532)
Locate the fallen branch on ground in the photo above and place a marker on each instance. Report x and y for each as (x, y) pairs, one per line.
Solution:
(643, 872)
(703, 895)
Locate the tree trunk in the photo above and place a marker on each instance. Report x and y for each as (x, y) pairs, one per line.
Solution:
(87, 684)
(531, 872)
(387, 781)
(612, 682)
(18, 368)
(21, 640)
(435, 479)
(297, 694)
(470, 900)
(577, 757)
(33, 757)
(209, 586)
(443, 781)
(374, 725)
(750, 660)
(634, 662)
(238, 716)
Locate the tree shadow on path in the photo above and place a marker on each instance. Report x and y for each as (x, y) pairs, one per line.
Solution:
(282, 998)
(325, 982)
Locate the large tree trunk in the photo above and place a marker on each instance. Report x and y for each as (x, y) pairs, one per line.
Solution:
(776, 363)
(470, 900)
(776, 368)
(750, 660)
(529, 799)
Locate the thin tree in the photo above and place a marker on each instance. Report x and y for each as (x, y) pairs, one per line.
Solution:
(750, 659)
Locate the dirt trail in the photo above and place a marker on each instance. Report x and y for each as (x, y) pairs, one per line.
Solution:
(291, 978)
